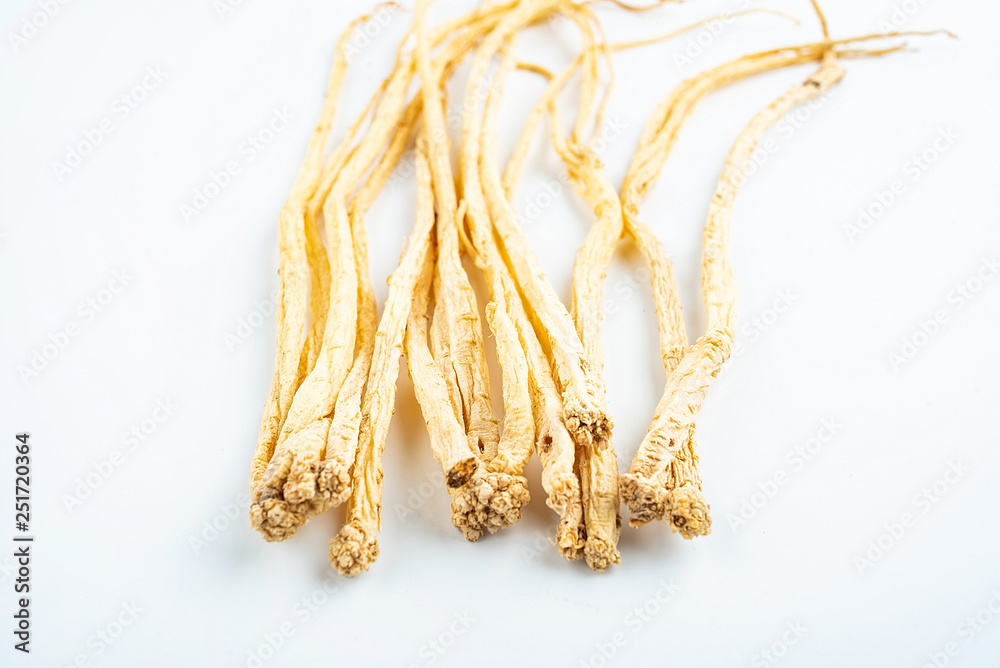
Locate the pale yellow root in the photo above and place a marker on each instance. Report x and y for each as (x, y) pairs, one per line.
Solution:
(589, 525)
(352, 295)
(343, 438)
(663, 481)
(319, 265)
(555, 446)
(294, 262)
(333, 480)
(461, 352)
(518, 436)
(283, 501)
(314, 401)
(356, 545)
(648, 499)
(584, 417)
(598, 468)
(533, 410)
(490, 500)
(285, 472)
(448, 443)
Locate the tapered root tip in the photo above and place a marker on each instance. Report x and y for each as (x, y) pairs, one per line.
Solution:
(689, 512)
(352, 550)
(488, 502)
(601, 554)
(646, 500)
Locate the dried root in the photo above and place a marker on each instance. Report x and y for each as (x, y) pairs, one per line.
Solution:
(293, 257)
(323, 432)
(664, 482)
(354, 548)
(490, 501)
(448, 440)
(282, 502)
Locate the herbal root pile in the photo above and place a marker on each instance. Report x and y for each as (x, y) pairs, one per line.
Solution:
(323, 433)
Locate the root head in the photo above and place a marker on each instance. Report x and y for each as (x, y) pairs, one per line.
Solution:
(353, 550)
(600, 554)
(488, 502)
(684, 507)
(300, 486)
(689, 512)
(647, 500)
(587, 425)
(333, 485)
(270, 512)
(297, 484)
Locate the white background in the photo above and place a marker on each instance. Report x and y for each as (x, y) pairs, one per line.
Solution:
(792, 561)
